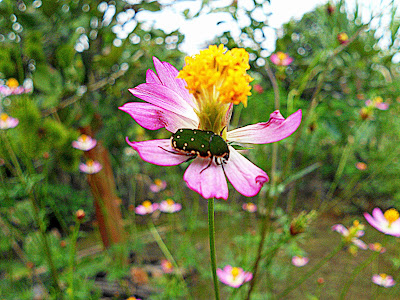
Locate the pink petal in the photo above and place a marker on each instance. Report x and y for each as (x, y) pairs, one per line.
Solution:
(341, 229)
(152, 77)
(274, 58)
(208, 181)
(287, 61)
(378, 215)
(165, 98)
(245, 177)
(158, 152)
(153, 117)
(276, 129)
(382, 106)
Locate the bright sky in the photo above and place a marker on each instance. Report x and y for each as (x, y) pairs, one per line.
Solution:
(204, 28)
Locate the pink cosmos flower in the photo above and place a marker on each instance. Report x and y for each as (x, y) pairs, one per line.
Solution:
(12, 87)
(378, 103)
(7, 122)
(166, 266)
(299, 261)
(383, 280)
(169, 206)
(146, 208)
(388, 222)
(169, 105)
(84, 143)
(233, 276)
(377, 247)
(158, 185)
(91, 167)
(250, 207)
(258, 88)
(352, 234)
(281, 59)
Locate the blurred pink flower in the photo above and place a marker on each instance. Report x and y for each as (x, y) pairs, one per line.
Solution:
(233, 276)
(91, 167)
(158, 185)
(146, 208)
(169, 206)
(383, 280)
(281, 59)
(169, 105)
(7, 122)
(362, 166)
(258, 88)
(166, 266)
(299, 261)
(12, 87)
(343, 38)
(84, 143)
(377, 247)
(351, 235)
(250, 207)
(378, 103)
(388, 222)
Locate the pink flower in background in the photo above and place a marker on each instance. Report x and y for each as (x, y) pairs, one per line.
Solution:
(299, 261)
(250, 207)
(158, 185)
(351, 235)
(281, 59)
(383, 280)
(343, 38)
(233, 276)
(90, 167)
(166, 266)
(169, 105)
(378, 103)
(377, 247)
(170, 206)
(362, 166)
(388, 222)
(146, 208)
(84, 143)
(12, 87)
(7, 122)
(258, 88)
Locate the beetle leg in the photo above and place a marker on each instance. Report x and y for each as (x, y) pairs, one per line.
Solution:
(177, 152)
(207, 166)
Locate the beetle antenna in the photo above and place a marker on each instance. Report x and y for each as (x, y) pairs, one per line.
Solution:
(222, 131)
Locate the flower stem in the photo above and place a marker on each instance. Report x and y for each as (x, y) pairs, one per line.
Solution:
(74, 238)
(211, 233)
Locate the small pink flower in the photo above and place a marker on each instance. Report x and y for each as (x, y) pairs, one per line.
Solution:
(258, 88)
(281, 59)
(378, 103)
(299, 261)
(351, 235)
(377, 247)
(84, 143)
(250, 207)
(146, 208)
(169, 206)
(343, 38)
(383, 280)
(12, 87)
(158, 185)
(7, 122)
(91, 167)
(362, 166)
(388, 222)
(166, 266)
(233, 276)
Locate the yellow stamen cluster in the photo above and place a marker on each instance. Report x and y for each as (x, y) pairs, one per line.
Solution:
(4, 117)
(83, 138)
(170, 202)
(281, 55)
(391, 215)
(235, 272)
(217, 77)
(146, 203)
(158, 182)
(12, 83)
(89, 162)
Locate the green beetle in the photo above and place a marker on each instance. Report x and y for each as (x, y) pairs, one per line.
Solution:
(202, 143)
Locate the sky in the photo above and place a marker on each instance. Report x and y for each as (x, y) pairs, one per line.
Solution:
(204, 28)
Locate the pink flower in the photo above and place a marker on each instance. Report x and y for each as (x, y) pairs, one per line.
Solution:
(166, 266)
(362, 166)
(250, 207)
(169, 105)
(91, 167)
(12, 87)
(378, 103)
(84, 143)
(377, 247)
(388, 222)
(383, 280)
(158, 185)
(258, 88)
(7, 122)
(233, 276)
(299, 261)
(351, 235)
(281, 59)
(169, 206)
(146, 208)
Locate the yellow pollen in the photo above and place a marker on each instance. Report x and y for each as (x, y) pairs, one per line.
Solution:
(83, 137)
(383, 275)
(12, 83)
(158, 182)
(391, 215)
(343, 36)
(281, 55)
(146, 203)
(356, 223)
(89, 162)
(4, 117)
(235, 272)
(170, 202)
(378, 100)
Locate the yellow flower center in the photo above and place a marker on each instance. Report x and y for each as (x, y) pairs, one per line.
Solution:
(89, 162)
(281, 55)
(235, 272)
(378, 100)
(343, 36)
(217, 77)
(391, 215)
(377, 246)
(383, 275)
(12, 83)
(146, 203)
(158, 182)
(4, 117)
(83, 138)
(170, 202)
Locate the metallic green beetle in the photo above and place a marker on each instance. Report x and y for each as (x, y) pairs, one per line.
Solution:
(202, 143)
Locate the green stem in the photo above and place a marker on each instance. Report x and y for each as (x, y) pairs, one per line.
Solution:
(211, 233)
(310, 272)
(72, 258)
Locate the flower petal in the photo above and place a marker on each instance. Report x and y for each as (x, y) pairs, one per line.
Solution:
(165, 98)
(378, 215)
(153, 117)
(276, 129)
(207, 180)
(245, 177)
(158, 152)
(152, 77)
